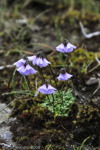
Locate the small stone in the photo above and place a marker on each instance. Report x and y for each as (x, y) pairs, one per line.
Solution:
(92, 81)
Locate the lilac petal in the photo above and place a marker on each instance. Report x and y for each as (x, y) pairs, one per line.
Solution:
(61, 48)
(33, 59)
(50, 91)
(20, 62)
(41, 66)
(68, 75)
(21, 70)
(45, 62)
(39, 61)
(70, 47)
(42, 89)
(51, 87)
(69, 50)
(26, 73)
(33, 71)
(60, 77)
(28, 67)
(29, 70)
(44, 86)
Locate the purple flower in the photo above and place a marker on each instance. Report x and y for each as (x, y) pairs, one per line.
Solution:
(46, 89)
(64, 75)
(26, 70)
(65, 47)
(20, 62)
(39, 60)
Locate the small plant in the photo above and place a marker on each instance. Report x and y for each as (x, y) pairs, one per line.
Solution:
(82, 145)
(58, 102)
(61, 109)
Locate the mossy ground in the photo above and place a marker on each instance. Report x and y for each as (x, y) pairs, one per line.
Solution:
(35, 125)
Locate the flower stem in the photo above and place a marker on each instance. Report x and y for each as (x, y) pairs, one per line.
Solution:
(26, 83)
(53, 105)
(41, 74)
(61, 56)
(13, 79)
(48, 98)
(53, 75)
(55, 82)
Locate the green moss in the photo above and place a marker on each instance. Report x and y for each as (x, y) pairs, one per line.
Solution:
(5, 72)
(81, 60)
(73, 14)
(88, 114)
(23, 104)
(90, 16)
(49, 124)
(87, 123)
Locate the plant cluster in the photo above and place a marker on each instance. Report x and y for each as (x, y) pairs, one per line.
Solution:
(59, 102)
(61, 109)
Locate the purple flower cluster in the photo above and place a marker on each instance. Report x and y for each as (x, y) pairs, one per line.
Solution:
(65, 47)
(24, 67)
